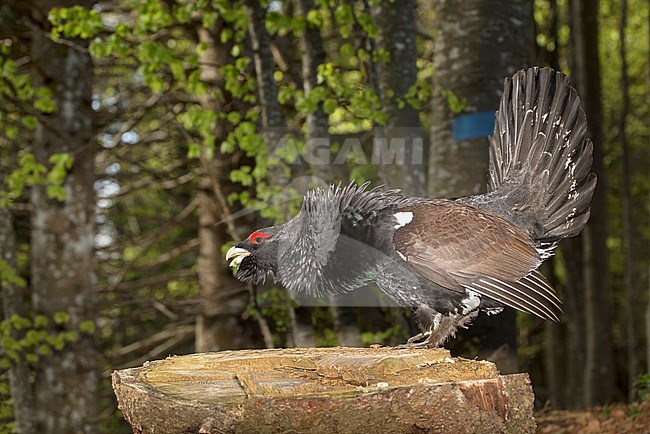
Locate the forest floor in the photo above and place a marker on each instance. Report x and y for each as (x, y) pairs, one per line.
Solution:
(611, 419)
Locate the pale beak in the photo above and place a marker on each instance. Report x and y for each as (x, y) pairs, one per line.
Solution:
(237, 254)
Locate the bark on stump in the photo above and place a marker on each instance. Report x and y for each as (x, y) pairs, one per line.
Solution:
(314, 390)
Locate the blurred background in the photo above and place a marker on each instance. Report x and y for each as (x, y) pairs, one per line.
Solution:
(140, 139)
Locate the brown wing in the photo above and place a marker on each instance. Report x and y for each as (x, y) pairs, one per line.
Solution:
(460, 247)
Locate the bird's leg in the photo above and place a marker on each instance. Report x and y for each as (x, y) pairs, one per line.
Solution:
(418, 341)
(428, 320)
(418, 337)
(441, 327)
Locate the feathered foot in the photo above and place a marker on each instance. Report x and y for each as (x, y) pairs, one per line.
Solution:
(421, 340)
(442, 327)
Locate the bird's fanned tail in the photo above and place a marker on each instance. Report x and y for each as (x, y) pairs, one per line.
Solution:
(540, 178)
(540, 156)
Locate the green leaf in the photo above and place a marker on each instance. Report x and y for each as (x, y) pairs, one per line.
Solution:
(226, 35)
(12, 132)
(456, 105)
(234, 118)
(44, 101)
(194, 150)
(209, 18)
(29, 121)
(61, 317)
(346, 50)
(70, 336)
(315, 18)
(41, 321)
(329, 105)
(56, 176)
(9, 276)
(87, 327)
(57, 342)
(242, 176)
(286, 95)
(43, 350)
(20, 322)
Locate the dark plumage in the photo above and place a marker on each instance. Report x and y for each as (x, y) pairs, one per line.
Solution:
(449, 259)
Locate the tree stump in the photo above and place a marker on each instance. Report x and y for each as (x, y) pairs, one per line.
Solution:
(315, 390)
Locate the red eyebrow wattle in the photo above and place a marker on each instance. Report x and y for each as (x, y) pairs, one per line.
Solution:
(257, 234)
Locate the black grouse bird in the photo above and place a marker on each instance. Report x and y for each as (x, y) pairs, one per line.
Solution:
(449, 259)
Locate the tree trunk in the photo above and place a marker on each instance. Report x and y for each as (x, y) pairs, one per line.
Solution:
(13, 303)
(554, 350)
(336, 390)
(218, 324)
(544, 55)
(401, 156)
(647, 290)
(598, 374)
(467, 85)
(272, 117)
(466, 69)
(647, 320)
(631, 292)
(313, 55)
(574, 323)
(559, 348)
(66, 383)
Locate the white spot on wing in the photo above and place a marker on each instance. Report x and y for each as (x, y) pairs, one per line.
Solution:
(403, 218)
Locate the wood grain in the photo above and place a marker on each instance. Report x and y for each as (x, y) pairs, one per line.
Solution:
(338, 390)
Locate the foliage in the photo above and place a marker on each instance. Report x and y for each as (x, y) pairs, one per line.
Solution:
(30, 338)
(30, 172)
(274, 305)
(21, 106)
(9, 276)
(642, 386)
(456, 105)
(7, 423)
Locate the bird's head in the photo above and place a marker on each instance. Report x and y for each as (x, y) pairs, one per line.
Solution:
(257, 256)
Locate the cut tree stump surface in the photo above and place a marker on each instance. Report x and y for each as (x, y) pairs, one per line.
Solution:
(324, 390)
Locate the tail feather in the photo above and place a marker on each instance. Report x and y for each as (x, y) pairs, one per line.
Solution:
(540, 156)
